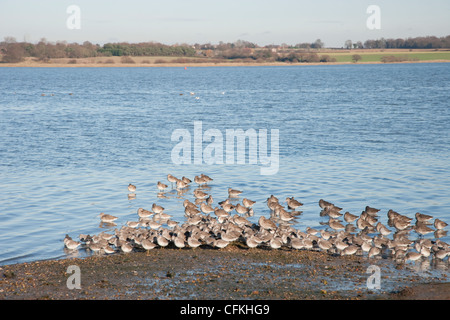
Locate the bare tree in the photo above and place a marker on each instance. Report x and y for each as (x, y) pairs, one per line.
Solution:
(348, 44)
(14, 53)
(10, 39)
(318, 44)
(356, 58)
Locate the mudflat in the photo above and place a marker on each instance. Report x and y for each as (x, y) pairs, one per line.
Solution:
(235, 272)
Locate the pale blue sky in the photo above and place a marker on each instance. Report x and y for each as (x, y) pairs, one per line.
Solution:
(200, 21)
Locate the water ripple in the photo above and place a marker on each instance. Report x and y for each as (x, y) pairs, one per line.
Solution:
(347, 137)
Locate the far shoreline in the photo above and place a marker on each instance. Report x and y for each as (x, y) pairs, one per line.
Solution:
(33, 64)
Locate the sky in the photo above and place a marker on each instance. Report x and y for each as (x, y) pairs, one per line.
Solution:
(202, 21)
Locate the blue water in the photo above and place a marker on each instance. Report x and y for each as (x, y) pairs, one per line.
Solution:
(354, 135)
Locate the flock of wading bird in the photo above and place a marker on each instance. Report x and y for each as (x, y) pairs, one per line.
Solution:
(217, 227)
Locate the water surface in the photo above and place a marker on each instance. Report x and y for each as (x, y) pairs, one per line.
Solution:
(354, 135)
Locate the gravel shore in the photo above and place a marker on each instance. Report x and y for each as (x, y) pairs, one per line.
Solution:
(234, 272)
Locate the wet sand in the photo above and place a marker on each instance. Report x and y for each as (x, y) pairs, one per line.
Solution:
(235, 272)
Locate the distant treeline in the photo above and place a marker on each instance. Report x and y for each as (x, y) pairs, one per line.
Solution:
(12, 51)
(145, 49)
(410, 43)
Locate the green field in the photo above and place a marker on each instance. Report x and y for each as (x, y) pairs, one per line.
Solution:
(373, 57)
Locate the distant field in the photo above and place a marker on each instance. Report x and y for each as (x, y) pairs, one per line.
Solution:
(374, 57)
